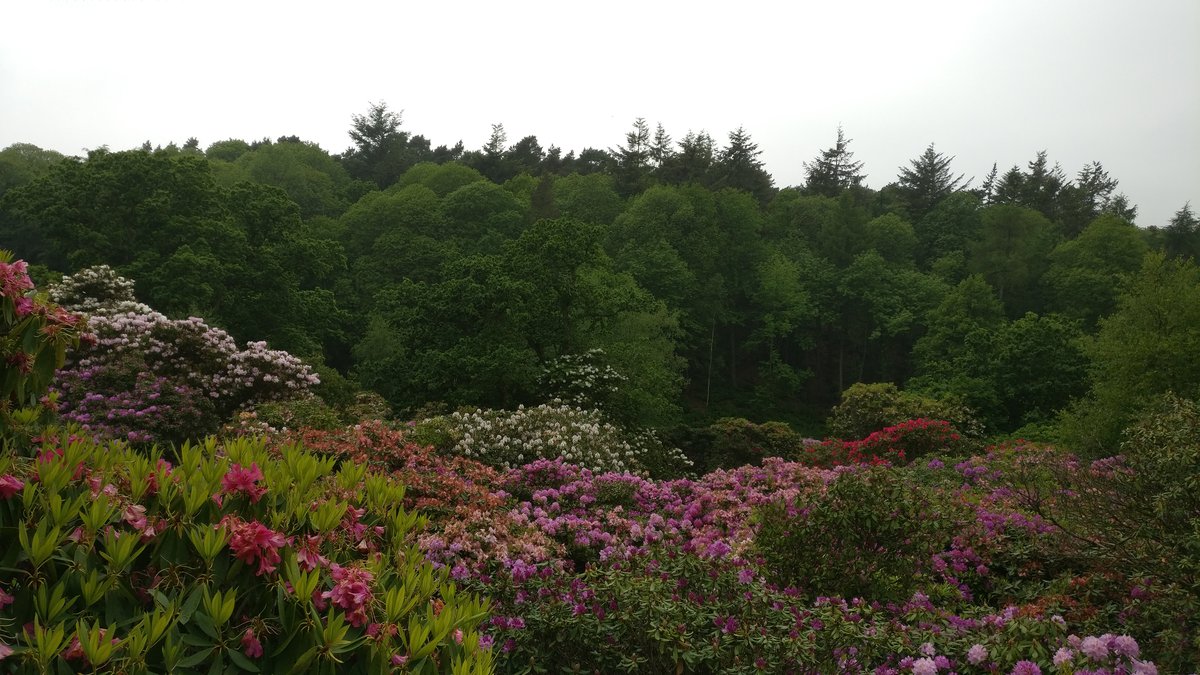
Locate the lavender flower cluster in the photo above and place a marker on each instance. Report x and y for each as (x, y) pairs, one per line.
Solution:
(146, 374)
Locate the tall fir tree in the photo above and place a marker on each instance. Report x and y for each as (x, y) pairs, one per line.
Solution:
(834, 170)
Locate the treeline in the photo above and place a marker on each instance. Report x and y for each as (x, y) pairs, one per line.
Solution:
(445, 276)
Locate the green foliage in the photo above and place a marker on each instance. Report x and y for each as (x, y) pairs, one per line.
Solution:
(868, 536)
(1150, 345)
(441, 178)
(731, 442)
(1086, 273)
(309, 412)
(122, 562)
(866, 408)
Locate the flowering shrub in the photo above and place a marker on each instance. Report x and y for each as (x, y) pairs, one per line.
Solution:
(508, 439)
(228, 560)
(866, 408)
(34, 337)
(584, 381)
(149, 378)
(869, 535)
(95, 291)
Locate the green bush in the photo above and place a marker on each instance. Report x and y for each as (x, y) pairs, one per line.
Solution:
(731, 442)
(229, 560)
(868, 536)
(310, 412)
(866, 408)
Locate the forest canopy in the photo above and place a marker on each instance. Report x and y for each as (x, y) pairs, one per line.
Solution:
(445, 276)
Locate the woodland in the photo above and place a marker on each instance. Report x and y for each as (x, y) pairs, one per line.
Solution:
(425, 409)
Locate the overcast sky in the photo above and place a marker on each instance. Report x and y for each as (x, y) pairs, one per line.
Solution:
(1086, 80)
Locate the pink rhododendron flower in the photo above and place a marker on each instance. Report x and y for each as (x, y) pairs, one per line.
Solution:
(1094, 647)
(351, 592)
(251, 645)
(10, 485)
(5, 651)
(254, 542)
(244, 480)
(1026, 668)
(308, 553)
(977, 654)
(5, 599)
(1125, 646)
(924, 666)
(1064, 655)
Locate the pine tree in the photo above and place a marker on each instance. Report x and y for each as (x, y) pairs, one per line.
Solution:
(633, 160)
(927, 181)
(739, 167)
(834, 170)
(1182, 235)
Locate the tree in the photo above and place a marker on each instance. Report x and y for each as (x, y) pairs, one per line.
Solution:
(380, 149)
(1011, 252)
(1041, 187)
(310, 176)
(1086, 198)
(926, 181)
(1149, 346)
(661, 150)
(1086, 273)
(525, 156)
(834, 170)
(948, 227)
(632, 160)
(1181, 238)
(693, 163)
(738, 167)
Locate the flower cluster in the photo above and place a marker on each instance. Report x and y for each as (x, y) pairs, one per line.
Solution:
(509, 439)
(95, 291)
(582, 380)
(157, 378)
(34, 337)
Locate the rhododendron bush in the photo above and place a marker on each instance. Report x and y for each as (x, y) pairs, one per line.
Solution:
(149, 378)
(226, 559)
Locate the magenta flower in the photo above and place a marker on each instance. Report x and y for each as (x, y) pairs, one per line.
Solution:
(251, 645)
(244, 480)
(1026, 668)
(351, 592)
(5, 599)
(10, 485)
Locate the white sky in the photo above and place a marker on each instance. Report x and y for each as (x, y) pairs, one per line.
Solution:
(1113, 81)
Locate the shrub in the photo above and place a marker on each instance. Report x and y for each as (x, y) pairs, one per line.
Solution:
(97, 290)
(868, 536)
(34, 337)
(734, 441)
(508, 439)
(226, 561)
(866, 408)
(309, 412)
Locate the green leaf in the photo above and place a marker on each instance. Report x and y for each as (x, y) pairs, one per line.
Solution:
(241, 661)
